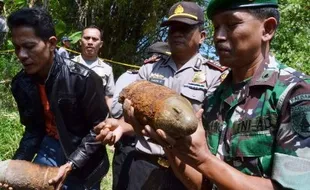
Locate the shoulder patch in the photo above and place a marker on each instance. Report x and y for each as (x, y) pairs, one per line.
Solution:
(103, 62)
(300, 117)
(215, 64)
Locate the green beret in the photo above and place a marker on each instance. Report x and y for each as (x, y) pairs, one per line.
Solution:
(223, 5)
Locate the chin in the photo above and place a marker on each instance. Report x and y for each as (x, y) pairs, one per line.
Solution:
(226, 62)
(30, 71)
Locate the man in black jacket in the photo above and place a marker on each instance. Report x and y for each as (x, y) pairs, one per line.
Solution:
(59, 102)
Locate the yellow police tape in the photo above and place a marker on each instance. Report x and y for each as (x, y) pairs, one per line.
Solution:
(107, 60)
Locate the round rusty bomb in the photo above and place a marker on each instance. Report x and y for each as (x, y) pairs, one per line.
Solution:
(161, 108)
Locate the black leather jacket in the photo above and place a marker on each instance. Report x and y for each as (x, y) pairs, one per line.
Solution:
(77, 101)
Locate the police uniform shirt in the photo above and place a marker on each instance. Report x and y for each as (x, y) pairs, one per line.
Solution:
(63, 52)
(103, 70)
(195, 80)
(124, 80)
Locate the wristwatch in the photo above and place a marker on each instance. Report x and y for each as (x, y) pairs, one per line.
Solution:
(72, 165)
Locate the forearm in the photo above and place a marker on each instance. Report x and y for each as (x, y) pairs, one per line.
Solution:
(126, 127)
(109, 100)
(189, 176)
(87, 148)
(227, 177)
(28, 146)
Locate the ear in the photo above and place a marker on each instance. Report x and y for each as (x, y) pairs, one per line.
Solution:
(270, 26)
(202, 36)
(101, 43)
(53, 43)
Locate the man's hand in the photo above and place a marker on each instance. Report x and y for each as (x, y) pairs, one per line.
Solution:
(108, 131)
(129, 115)
(63, 172)
(5, 186)
(192, 150)
(152, 59)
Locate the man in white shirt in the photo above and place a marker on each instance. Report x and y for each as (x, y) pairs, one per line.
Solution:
(90, 43)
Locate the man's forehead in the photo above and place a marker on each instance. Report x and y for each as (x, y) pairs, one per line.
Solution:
(91, 32)
(233, 14)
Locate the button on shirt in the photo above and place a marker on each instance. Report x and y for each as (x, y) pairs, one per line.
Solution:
(195, 80)
(103, 70)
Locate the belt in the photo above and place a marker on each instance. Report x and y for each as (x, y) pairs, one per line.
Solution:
(154, 159)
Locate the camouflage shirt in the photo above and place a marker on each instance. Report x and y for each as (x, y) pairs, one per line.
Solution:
(261, 126)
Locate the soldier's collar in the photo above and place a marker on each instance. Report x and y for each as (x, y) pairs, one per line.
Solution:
(266, 74)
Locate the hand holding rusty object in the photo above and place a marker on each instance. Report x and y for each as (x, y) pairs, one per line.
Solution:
(62, 174)
(160, 108)
(23, 175)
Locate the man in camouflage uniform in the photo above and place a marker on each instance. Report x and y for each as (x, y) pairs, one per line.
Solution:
(188, 73)
(257, 122)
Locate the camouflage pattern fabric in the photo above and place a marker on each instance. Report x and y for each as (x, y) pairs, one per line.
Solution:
(261, 126)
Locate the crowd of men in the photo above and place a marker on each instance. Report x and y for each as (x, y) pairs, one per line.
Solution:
(253, 111)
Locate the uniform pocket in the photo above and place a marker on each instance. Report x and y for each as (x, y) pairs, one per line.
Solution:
(193, 94)
(252, 144)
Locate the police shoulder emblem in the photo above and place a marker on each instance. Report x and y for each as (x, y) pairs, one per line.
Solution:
(179, 9)
(223, 76)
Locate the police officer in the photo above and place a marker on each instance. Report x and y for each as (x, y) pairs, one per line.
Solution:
(257, 122)
(188, 73)
(91, 42)
(65, 42)
(158, 50)
(126, 144)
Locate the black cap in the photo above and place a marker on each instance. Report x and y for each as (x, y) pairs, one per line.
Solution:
(159, 47)
(186, 12)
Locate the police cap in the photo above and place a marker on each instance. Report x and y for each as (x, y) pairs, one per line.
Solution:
(185, 12)
(215, 6)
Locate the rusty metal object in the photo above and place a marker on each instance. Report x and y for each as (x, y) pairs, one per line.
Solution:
(23, 175)
(161, 108)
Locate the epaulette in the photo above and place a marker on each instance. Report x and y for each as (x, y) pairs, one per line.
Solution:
(215, 64)
(101, 60)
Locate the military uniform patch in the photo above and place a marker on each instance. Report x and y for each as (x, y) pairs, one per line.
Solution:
(300, 116)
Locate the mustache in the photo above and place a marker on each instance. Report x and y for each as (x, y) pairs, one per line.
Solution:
(222, 47)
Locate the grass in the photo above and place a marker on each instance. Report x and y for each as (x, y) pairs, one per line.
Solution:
(11, 132)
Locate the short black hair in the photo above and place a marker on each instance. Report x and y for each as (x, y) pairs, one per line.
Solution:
(38, 19)
(95, 27)
(265, 12)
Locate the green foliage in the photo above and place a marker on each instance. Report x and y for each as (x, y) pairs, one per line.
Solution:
(292, 42)
(10, 134)
(9, 66)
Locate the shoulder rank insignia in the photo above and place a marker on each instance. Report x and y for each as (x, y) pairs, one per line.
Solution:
(216, 65)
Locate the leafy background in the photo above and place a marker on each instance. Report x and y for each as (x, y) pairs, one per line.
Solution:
(129, 27)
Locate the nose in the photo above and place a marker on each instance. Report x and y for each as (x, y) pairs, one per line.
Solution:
(220, 34)
(22, 54)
